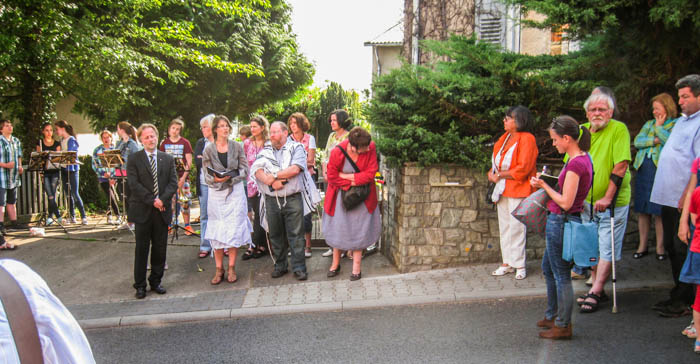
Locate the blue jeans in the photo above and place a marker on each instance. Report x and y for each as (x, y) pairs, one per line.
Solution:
(560, 292)
(50, 185)
(286, 218)
(204, 244)
(72, 177)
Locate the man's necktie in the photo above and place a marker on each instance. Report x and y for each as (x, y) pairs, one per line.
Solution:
(154, 172)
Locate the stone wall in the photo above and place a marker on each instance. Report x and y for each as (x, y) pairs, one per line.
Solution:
(436, 217)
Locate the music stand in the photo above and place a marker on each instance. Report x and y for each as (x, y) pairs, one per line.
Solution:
(112, 159)
(179, 167)
(39, 162)
(65, 159)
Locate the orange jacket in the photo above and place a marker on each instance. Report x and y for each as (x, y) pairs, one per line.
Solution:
(522, 166)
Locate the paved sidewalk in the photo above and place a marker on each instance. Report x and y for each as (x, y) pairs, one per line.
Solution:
(437, 286)
(91, 272)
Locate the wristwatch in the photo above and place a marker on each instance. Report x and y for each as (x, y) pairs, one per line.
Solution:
(274, 174)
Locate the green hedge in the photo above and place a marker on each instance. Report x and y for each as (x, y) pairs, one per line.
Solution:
(94, 199)
(452, 110)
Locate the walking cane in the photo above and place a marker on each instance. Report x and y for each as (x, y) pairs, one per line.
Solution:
(612, 245)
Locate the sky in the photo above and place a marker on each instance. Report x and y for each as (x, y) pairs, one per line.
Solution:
(332, 33)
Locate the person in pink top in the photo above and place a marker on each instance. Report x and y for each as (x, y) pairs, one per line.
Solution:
(298, 125)
(259, 135)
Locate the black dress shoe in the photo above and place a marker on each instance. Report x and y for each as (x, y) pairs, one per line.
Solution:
(140, 293)
(301, 275)
(333, 273)
(278, 273)
(158, 289)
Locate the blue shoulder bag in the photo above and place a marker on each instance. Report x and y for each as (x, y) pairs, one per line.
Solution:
(581, 238)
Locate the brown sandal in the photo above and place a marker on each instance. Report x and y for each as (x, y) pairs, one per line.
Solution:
(231, 275)
(218, 277)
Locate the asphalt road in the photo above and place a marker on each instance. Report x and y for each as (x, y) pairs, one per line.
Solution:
(495, 331)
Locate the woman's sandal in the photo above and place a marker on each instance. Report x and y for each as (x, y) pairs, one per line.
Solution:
(8, 246)
(590, 307)
(661, 256)
(232, 278)
(696, 349)
(218, 276)
(259, 253)
(250, 253)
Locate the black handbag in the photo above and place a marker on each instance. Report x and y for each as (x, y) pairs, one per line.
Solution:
(355, 195)
(489, 192)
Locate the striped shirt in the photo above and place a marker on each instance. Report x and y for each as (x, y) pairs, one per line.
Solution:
(644, 142)
(10, 151)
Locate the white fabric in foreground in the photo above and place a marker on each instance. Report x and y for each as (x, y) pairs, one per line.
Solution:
(62, 339)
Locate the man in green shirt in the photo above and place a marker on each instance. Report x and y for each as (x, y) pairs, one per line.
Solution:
(610, 151)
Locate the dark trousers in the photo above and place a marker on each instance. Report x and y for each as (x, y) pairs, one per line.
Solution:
(50, 185)
(677, 251)
(152, 235)
(259, 237)
(286, 218)
(114, 208)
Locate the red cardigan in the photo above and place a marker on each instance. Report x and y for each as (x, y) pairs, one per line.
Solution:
(366, 162)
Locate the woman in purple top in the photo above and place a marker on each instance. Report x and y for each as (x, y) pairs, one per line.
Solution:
(574, 182)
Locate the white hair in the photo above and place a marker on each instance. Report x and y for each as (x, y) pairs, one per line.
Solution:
(596, 97)
(282, 125)
(207, 120)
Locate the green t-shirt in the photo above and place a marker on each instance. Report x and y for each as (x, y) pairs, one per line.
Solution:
(609, 147)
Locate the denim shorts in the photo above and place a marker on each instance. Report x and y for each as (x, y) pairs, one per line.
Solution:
(8, 196)
(604, 247)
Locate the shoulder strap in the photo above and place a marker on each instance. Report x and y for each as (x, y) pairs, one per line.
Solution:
(357, 170)
(592, 180)
(21, 319)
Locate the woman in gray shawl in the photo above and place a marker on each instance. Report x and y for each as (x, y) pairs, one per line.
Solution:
(227, 207)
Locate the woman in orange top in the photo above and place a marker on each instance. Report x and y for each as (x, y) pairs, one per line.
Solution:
(513, 164)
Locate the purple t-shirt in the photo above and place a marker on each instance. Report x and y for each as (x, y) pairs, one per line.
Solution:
(582, 166)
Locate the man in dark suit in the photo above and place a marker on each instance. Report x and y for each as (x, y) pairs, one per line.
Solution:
(146, 208)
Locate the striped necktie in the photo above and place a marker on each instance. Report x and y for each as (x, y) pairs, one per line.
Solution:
(154, 172)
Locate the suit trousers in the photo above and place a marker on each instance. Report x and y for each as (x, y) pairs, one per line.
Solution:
(151, 235)
(677, 251)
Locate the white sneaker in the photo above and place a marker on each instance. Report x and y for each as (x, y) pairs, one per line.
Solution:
(329, 253)
(307, 253)
(520, 273)
(110, 221)
(72, 220)
(84, 222)
(503, 270)
(49, 221)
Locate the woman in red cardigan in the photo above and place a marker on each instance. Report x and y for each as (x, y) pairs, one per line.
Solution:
(513, 164)
(355, 229)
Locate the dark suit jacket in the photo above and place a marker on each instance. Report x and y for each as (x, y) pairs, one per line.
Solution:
(140, 182)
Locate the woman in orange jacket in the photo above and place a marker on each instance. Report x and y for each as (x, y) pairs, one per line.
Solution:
(513, 164)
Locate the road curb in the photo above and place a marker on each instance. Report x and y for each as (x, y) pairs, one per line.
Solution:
(195, 316)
